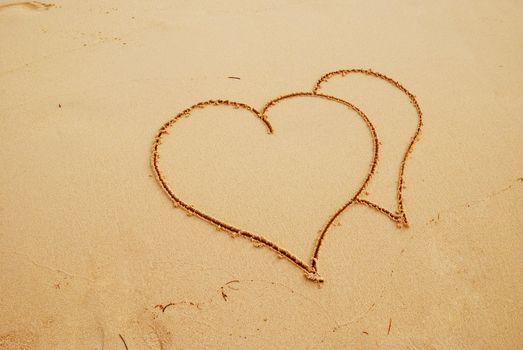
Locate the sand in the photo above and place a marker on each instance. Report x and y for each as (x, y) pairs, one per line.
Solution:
(94, 255)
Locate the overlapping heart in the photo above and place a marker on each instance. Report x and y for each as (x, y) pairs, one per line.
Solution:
(310, 269)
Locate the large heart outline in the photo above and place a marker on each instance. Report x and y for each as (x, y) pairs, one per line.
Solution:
(310, 269)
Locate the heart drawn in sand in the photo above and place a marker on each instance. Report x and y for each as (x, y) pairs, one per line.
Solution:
(264, 115)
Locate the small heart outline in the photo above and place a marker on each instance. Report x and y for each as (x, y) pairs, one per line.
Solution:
(400, 216)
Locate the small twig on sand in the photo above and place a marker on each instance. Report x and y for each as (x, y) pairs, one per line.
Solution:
(124, 343)
(228, 284)
(163, 307)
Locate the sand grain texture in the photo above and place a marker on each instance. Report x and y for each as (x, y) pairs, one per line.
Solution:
(92, 251)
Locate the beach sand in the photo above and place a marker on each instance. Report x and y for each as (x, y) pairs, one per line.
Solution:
(94, 254)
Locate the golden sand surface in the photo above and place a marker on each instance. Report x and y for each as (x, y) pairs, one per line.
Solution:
(105, 245)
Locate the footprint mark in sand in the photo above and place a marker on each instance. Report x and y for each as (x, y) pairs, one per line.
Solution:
(309, 268)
